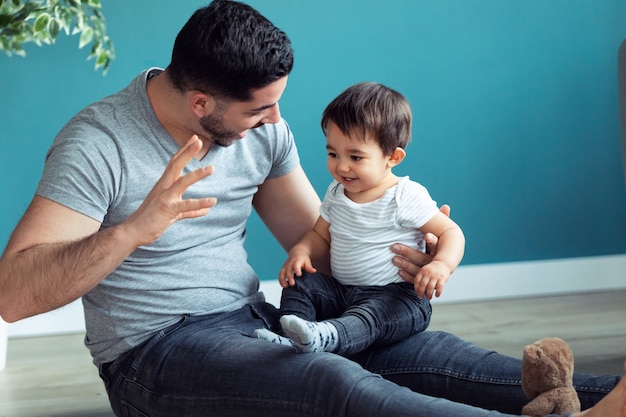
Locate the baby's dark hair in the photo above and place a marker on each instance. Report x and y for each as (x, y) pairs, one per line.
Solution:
(371, 110)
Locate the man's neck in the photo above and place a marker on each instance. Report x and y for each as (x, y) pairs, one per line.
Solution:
(169, 106)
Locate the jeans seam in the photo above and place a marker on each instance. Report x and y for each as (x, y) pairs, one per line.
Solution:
(447, 373)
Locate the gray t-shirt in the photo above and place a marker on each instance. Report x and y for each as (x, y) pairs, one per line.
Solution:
(105, 161)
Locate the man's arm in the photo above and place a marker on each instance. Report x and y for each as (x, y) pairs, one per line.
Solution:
(289, 207)
(56, 254)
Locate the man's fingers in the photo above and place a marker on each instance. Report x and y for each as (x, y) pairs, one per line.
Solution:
(410, 278)
(187, 150)
(445, 209)
(180, 160)
(409, 259)
(181, 184)
(405, 265)
(189, 209)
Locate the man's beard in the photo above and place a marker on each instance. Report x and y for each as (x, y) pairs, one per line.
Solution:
(214, 128)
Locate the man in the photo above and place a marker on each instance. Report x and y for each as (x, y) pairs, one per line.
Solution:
(141, 211)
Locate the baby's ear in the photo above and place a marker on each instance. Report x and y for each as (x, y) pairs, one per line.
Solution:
(396, 157)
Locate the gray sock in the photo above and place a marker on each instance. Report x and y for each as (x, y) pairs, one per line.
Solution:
(270, 336)
(310, 336)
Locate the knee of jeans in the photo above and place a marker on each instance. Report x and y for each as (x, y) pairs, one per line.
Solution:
(424, 324)
(340, 372)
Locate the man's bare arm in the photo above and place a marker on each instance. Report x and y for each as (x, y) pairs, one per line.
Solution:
(289, 207)
(56, 255)
(46, 266)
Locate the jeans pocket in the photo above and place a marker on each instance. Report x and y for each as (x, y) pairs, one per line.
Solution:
(112, 378)
(130, 411)
(141, 353)
(103, 371)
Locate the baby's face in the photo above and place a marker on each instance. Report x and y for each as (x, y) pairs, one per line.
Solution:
(358, 164)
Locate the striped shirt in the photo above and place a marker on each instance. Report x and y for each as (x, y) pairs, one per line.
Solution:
(361, 234)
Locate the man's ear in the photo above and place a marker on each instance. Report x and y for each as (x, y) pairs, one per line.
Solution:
(202, 104)
(396, 157)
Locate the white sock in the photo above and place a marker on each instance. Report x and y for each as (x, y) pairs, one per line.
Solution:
(310, 336)
(270, 336)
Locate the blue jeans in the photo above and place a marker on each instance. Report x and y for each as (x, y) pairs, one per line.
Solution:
(210, 366)
(364, 316)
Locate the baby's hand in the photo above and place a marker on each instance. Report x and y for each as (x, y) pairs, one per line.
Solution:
(431, 279)
(292, 268)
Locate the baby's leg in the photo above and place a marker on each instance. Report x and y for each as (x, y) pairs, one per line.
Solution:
(270, 336)
(310, 336)
(613, 405)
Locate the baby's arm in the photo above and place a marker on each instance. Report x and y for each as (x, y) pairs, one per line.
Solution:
(450, 248)
(314, 245)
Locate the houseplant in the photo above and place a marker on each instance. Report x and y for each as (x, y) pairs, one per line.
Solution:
(41, 21)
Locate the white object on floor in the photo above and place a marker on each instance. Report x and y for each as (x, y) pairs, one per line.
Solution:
(3, 344)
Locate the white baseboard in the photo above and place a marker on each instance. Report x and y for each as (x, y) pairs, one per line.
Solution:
(68, 319)
(468, 283)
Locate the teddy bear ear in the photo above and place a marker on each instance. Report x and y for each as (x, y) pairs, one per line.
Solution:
(532, 353)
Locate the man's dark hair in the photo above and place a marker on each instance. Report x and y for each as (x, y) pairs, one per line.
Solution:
(228, 49)
(371, 110)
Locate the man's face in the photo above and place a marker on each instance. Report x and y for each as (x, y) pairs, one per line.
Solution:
(230, 121)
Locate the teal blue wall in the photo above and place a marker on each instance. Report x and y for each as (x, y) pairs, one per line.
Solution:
(515, 103)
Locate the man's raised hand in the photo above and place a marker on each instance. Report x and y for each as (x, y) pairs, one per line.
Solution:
(165, 205)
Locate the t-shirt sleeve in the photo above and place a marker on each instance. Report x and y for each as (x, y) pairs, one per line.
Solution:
(327, 202)
(81, 170)
(415, 205)
(284, 151)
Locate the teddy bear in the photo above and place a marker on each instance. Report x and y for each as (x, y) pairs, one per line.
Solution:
(547, 378)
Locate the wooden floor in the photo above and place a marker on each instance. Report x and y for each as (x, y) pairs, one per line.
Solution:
(53, 376)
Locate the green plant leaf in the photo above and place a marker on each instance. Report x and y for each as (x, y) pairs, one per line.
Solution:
(102, 58)
(25, 11)
(86, 37)
(54, 28)
(5, 20)
(65, 15)
(10, 32)
(41, 22)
